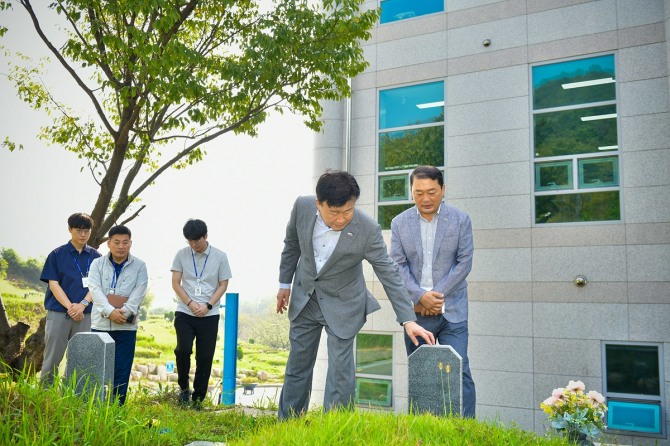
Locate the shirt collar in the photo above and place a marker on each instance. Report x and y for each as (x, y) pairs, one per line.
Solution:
(72, 248)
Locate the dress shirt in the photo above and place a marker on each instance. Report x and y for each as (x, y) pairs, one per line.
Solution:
(428, 231)
(324, 241)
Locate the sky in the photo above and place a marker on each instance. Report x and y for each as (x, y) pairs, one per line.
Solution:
(243, 189)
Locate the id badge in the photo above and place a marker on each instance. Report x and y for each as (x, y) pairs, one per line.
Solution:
(198, 290)
(84, 282)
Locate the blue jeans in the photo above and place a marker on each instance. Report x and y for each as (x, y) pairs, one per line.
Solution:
(456, 335)
(124, 354)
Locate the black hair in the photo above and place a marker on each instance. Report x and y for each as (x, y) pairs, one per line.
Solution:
(119, 230)
(195, 229)
(336, 188)
(80, 221)
(427, 173)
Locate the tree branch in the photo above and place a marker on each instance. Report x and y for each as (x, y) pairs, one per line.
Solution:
(28, 7)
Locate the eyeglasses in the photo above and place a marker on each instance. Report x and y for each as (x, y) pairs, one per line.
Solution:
(81, 231)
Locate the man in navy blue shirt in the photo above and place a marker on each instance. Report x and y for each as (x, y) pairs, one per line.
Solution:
(67, 299)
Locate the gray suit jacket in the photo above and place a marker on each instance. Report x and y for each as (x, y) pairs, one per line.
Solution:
(340, 285)
(452, 257)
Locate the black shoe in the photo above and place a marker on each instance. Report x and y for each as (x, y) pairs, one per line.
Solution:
(185, 397)
(198, 405)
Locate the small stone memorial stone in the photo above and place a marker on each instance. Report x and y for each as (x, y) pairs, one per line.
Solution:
(435, 380)
(90, 358)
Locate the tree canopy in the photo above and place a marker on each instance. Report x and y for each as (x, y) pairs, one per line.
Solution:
(166, 77)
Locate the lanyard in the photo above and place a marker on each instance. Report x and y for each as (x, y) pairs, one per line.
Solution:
(195, 268)
(88, 263)
(118, 269)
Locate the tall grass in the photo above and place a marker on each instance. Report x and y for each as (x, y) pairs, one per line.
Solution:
(33, 415)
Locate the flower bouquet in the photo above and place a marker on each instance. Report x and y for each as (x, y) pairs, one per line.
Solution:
(575, 413)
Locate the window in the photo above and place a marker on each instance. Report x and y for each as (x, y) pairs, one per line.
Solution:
(411, 133)
(575, 141)
(633, 386)
(374, 369)
(393, 10)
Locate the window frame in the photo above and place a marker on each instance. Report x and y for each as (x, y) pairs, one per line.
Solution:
(635, 397)
(371, 377)
(575, 158)
(409, 202)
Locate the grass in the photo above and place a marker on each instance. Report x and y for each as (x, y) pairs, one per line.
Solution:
(32, 415)
(389, 429)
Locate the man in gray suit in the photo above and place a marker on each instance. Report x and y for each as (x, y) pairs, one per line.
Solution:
(327, 239)
(432, 244)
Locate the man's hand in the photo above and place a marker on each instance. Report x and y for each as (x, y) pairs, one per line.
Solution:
(432, 301)
(282, 299)
(415, 330)
(198, 309)
(118, 316)
(76, 312)
(418, 308)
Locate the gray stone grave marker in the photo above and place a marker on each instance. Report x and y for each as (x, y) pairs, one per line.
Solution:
(436, 380)
(90, 358)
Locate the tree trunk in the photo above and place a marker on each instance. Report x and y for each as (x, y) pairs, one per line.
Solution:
(15, 354)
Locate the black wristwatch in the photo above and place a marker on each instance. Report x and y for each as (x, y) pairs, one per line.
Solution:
(209, 306)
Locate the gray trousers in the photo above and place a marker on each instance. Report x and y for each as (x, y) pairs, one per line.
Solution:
(304, 336)
(58, 331)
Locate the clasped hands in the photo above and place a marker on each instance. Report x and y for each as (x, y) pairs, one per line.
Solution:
(76, 311)
(430, 304)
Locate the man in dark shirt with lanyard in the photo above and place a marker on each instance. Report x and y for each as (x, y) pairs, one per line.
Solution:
(67, 299)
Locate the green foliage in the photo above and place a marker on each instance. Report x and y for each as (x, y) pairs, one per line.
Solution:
(26, 272)
(3, 268)
(240, 353)
(166, 78)
(22, 304)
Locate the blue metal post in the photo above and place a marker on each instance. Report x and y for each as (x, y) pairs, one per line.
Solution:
(230, 348)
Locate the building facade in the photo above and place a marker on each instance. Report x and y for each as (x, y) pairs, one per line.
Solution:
(551, 120)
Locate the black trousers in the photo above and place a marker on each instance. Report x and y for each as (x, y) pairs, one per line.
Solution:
(204, 331)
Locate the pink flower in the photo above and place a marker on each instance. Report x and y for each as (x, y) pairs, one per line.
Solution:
(595, 397)
(551, 401)
(576, 386)
(558, 393)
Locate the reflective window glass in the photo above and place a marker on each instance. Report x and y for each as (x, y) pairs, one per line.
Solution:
(632, 369)
(374, 354)
(386, 213)
(576, 131)
(576, 207)
(407, 149)
(377, 392)
(598, 172)
(394, 187)
(574, 82)
(552, 176)
(413, 105)
(393, 10)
